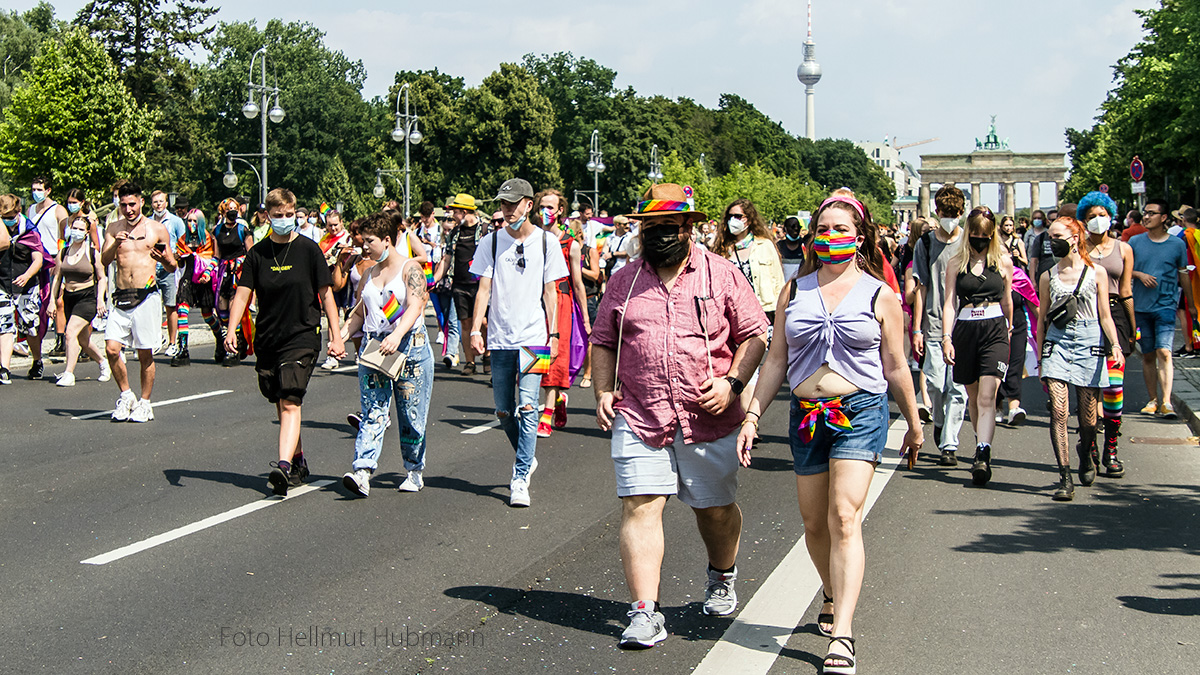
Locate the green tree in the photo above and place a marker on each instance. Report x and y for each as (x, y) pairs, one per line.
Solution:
(432, 97)
(21, 36)
(841, 163)
(505, 130)
(335, 186)
(74, 119)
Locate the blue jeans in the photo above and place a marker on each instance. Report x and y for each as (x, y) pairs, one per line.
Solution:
(516, 397)
(412, 390)
(447, 316)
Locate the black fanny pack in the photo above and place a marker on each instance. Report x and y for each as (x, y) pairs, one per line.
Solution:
(127, 298)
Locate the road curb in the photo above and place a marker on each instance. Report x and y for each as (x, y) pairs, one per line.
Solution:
(1185, 397)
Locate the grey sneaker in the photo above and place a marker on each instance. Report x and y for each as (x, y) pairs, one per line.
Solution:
(720, 598)
(646, 627)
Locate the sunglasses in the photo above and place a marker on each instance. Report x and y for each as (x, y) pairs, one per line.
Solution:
(521, 252)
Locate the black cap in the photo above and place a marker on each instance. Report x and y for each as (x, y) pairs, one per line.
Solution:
(182, 203)
(514, 190)
(262, 207)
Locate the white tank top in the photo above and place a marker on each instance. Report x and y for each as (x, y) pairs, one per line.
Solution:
(46, 223)
(376, 300)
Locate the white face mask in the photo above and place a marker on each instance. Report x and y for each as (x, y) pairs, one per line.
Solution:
(74, 235)
(948, 224)
(1099, 224)
(312, 221)
(736, 226)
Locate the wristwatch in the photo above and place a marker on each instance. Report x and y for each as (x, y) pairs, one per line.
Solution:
(735, 384)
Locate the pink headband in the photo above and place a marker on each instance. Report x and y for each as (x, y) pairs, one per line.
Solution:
(846, 200)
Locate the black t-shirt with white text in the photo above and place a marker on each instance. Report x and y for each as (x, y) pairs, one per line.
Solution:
(288, 279)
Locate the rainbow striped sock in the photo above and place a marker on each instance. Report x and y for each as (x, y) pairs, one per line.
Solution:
(547, 414)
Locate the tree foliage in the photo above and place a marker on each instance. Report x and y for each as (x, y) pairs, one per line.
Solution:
(74, 119)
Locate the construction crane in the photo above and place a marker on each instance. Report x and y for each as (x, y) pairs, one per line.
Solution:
(898, 148)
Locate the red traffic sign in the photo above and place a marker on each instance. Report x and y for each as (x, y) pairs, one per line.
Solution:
(1104, 188)
(688, 192)
(1137, 169)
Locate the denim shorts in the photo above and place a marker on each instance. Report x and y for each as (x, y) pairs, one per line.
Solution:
(1157, 330)
(868, 415)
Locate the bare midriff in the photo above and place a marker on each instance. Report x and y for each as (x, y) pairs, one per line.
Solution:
(825, 383)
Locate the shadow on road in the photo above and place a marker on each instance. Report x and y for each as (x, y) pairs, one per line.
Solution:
(460, 485)
(256, 483)
(1117, 517)
(1169, 606)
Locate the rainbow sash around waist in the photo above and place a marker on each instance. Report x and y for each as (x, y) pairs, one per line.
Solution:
(814, 409)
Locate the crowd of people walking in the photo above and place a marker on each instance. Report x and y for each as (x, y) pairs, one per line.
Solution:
(685, 328)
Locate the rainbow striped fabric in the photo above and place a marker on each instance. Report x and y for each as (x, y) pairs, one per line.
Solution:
(828, 408)
(835, 250)
(655, 205)
(391, 308)
(536, 360)
(325, 209)
(428, 274)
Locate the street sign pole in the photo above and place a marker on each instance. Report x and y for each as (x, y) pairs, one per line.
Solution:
(1137, 171)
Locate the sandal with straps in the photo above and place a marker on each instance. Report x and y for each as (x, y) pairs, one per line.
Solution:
(833, 669)
(826, 618)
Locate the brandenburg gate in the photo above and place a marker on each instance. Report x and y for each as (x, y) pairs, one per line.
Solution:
(994, 162)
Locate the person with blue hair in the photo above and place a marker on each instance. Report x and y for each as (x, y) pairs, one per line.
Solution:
(1097, 210)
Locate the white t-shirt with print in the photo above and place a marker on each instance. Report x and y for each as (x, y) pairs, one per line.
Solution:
(516, 317)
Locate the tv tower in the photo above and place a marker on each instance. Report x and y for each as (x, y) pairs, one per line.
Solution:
(809, 73)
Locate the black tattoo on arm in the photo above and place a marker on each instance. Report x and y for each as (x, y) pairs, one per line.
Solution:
(417, 292)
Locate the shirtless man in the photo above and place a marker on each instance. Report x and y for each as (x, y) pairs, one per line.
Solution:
(138, 244)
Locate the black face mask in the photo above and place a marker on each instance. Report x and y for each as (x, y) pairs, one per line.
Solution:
(980, 244)
(662, 247)
(1059, 248)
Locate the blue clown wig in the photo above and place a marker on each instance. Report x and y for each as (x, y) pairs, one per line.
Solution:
(1095, 199)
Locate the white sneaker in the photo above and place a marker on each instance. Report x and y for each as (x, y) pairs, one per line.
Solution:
(21, 349)
(358, 482)
(172, 351)
(1016, 417)
(330, 364)
(999, 417)
(124, 406)
(161, 346)
(65, 380)
(441, 338)
(142, 412)
(519, 487)
(413, 483)
(105, 372)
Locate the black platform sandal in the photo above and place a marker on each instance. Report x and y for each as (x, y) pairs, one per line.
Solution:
(839, 664)
(825, 618)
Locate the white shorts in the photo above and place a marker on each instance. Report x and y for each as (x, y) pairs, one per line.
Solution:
(141, 325)
(704, 475)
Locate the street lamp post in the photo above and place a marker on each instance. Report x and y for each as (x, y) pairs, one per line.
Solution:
(596, 166)
(656, 173)
(406, 132)
(703, 168)
(231, 180)
(252, 109)
(379, 191)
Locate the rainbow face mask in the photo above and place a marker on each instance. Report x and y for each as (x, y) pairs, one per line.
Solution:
(835, 249)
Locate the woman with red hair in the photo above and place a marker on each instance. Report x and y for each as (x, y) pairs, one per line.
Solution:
(1072, 312)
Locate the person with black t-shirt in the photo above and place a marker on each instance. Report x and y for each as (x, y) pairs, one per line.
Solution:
(455, 265)
(293, 284)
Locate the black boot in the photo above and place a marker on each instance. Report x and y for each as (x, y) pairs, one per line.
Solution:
(60, 348)
(1066, 488)
(182, 358)
(1087, 456)
(1112, 466)
(981, 469)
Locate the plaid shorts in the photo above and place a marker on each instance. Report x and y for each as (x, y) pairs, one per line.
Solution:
(19, 313)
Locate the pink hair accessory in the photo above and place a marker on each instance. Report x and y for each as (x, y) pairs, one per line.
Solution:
(846, 200)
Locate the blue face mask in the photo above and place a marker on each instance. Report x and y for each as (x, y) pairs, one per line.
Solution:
(521, 221)
(1037, 222)
(73, 207)
(386, 253)
(39, 196)
(791, 238)
(10, 222)
(283, 226)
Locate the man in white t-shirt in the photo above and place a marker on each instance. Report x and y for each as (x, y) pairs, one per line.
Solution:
(616, 252)
(518, 267)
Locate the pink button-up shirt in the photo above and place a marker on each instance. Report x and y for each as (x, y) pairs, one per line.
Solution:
(663, 352)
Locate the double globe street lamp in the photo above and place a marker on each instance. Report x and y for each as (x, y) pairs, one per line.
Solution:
(656, 173)
(406, 132)
(252, 110)
(596, 166)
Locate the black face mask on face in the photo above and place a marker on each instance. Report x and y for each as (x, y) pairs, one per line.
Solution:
(662, 247)
(1059, 248)
(980, 244)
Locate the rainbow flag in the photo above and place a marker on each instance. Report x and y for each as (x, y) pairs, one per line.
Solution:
(325, 209)
(537, 360)
(391, 308)
(428, 274)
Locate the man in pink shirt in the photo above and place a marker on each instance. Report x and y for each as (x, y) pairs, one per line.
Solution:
(679, 333)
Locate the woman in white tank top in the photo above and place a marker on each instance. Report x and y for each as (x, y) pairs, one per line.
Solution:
(391, 310)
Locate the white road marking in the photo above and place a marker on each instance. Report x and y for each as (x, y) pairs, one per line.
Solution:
(160, 404)
(481, 428)
(346, 369)
(184, 531)
(752, 643)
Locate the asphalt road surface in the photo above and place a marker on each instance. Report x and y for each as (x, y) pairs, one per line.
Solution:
(157, 548)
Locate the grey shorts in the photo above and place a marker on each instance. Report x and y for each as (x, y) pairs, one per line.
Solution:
(168, 287)
(20, 313)
(702, 474)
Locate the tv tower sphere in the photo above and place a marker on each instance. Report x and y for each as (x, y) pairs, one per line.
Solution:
(809, 72)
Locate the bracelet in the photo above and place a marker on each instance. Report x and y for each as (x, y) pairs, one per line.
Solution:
(552, 335)
(754, 422)
(475, 332)
(917, 332)
(751, 412)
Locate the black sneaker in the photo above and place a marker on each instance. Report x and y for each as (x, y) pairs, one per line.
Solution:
(981, 469)
(219, 355)
(181, 359)
(278, 480)
(36, 370)
(5, 376)
(232, 360)
(355, 420)
(298, 473)
(948, 458)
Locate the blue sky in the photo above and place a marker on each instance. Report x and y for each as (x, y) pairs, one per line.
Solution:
(908, 69)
